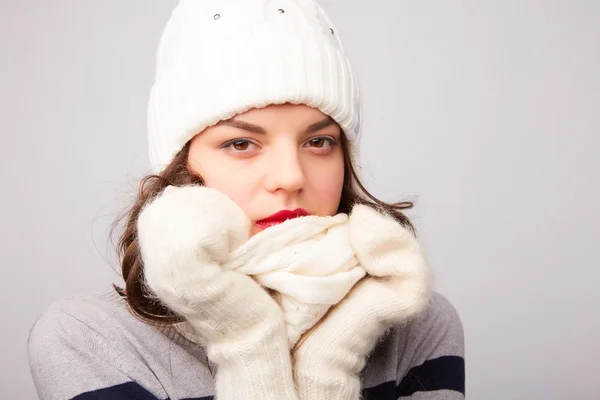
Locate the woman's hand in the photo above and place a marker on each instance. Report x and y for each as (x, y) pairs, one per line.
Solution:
(328, 359)
(185, 234)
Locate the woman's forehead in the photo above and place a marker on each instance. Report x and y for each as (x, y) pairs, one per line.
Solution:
(288, 110)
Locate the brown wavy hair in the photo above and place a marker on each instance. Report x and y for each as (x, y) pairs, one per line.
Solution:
(142, 304)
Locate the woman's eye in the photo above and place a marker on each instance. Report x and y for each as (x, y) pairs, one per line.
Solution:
(240, 145)
(321, 142)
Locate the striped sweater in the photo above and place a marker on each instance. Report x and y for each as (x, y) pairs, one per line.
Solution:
(92, 347)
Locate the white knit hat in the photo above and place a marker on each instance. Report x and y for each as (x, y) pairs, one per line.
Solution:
(220, 58)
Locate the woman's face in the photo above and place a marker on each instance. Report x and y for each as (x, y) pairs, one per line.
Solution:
(281, 157)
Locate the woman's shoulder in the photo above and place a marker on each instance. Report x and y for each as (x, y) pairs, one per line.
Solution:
(436, 331)
(431, 345)
(440, 315)
(88, 305)
(93, 342)
(103, 313)
(435, 336)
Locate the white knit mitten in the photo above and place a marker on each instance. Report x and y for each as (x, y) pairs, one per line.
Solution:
(185, 235)
(329, 358)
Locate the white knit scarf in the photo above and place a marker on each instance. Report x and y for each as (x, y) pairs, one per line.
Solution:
(307, 262)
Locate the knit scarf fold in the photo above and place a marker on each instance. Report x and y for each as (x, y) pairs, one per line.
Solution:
(308, 263)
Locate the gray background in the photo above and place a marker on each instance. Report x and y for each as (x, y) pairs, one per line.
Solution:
(486, 112)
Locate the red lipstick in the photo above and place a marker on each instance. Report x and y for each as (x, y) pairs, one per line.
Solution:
(281, 216)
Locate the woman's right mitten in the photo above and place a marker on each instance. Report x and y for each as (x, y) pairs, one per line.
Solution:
(186, 234)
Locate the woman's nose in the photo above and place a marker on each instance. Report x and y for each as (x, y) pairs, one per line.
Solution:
(285, 172)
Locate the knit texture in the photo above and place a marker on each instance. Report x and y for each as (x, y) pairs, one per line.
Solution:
(197, 263)
(92, 347)
(308, 263)
(217, 59)
(184, 235)
(328, 360)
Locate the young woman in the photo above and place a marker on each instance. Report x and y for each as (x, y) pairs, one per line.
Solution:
(256, 265)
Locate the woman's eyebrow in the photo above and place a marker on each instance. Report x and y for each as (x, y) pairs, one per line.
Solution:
(317, 126)
(320, 125)
(243, 125)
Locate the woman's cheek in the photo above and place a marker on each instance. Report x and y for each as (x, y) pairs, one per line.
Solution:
(330, 191)
(234, 184)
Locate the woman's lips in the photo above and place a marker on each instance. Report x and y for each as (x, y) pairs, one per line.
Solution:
(281, 216)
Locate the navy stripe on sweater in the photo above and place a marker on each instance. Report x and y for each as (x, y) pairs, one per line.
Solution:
(443, 373)
(125, 391)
